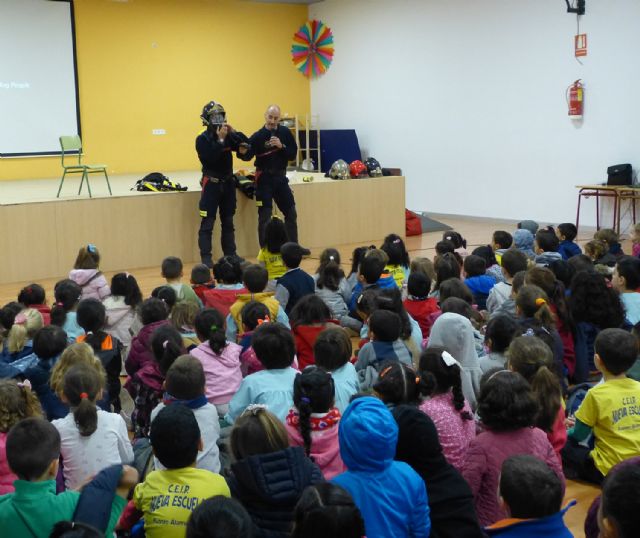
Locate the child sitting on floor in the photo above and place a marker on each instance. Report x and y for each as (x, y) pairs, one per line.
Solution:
(275, 348)
(567, 232)
(531, 494)
(228, 275)
(498, 335)
(33, 296)
(201, 280)
(63, 312)
(172, 273)
(332, 287)
(269, 256)
(626, 279)
(308, 319)
(418, 304)
(86, 273)
(313, 421)
(398, 264)
(477, 280)
(295, 283)
(501, 241)
(513, 261)
(121, 308)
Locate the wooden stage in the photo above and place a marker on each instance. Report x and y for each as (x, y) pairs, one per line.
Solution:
(41, 235)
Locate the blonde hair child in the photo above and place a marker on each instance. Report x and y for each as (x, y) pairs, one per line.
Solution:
(78, 353)
(25, 325)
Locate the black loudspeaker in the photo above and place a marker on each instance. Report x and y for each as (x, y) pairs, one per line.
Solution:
(619, 174)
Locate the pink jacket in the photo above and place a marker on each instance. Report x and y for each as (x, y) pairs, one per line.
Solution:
(325, 448)
(6, 476)
(455, 432)
(222, 372)
(120, 316)
(98, 288)
(484, 461)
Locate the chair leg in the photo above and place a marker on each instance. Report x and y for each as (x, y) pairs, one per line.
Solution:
(81, 182)
(88, 186)
(61, 182)
(108, 184)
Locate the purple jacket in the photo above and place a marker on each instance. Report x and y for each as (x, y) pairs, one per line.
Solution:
(484, 460)
(98, 288)
(140, 350)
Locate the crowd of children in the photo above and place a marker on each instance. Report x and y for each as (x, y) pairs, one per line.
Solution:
(480, 380)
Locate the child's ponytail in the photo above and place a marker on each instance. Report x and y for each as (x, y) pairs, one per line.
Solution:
(82, 386)
(67, 294)
(25, 325)
(209, 325)
(329, 276)
(313, 392)
(547, 391)
(458, 396)
(534, 303)
(166, 344)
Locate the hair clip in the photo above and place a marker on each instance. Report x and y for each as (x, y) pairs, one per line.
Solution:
(540, 301)
(59, 303)
(528, 332)
(214, 328)
(448, 359)
(332, 258)
(266, 319)
(89, 333)
(396, 241)
(254, 409)
(91, 248)
(29, 289)
(165, 344)
(26, 384)
(418, 380)
(127, 275)
(20, 319)
(305, 399)
(385, 371)
(84, 396)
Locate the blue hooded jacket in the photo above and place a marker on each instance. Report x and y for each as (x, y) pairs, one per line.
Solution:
(551, 526)
(391, 496)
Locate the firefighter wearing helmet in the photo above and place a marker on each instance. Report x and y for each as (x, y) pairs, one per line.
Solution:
(215, 146)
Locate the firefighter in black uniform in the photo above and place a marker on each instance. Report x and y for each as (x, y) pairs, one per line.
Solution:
(214, 147)
(273, 146)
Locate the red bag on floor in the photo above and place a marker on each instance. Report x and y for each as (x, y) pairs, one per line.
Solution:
(413, 225)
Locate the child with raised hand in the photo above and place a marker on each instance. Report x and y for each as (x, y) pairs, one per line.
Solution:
(332, 351)
(326, 509)
(531, 494)
(532, 358)
(172, 272)
(63, 313)
(418, 304)
(454, 333)
(201, 280)
(269, 256)
(167, 497)
(313, 420)
(441, 383)
(48, 343)
(398, 264)
(594, 306)
(308, 319)
(121, 308)
(397, 505)
(626, 279)
(220, 359)
(609, 411)
(228, 274)
(33, 452)
(33, 296)
(185, 385)
(220, 517)
(384, 345)
(90, 439)
(513, 261)
(153, 314)
(19, 341)
(498, 335)
(508, 410)
(91, 316)
(86, 273)
(268, 476)
(275, 348)
(17, 402)
(255, 279)
(332, 287)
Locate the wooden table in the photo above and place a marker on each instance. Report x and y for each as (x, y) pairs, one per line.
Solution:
(619, 193)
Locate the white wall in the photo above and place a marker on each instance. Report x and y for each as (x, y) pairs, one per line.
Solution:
(468, 98)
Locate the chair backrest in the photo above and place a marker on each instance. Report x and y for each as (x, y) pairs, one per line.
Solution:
(71, 143)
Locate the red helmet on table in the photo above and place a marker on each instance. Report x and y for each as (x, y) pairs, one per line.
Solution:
(357, 169)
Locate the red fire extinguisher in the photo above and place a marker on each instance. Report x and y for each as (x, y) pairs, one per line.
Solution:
(575, 98)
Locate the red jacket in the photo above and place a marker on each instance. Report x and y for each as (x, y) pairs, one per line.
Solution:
(305, 336)
(221, 300)
(421, 311)
(44, 310)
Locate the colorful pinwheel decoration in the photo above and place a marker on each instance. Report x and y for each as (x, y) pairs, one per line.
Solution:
(312, 48)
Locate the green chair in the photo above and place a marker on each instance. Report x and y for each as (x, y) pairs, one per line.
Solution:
(73, 143)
